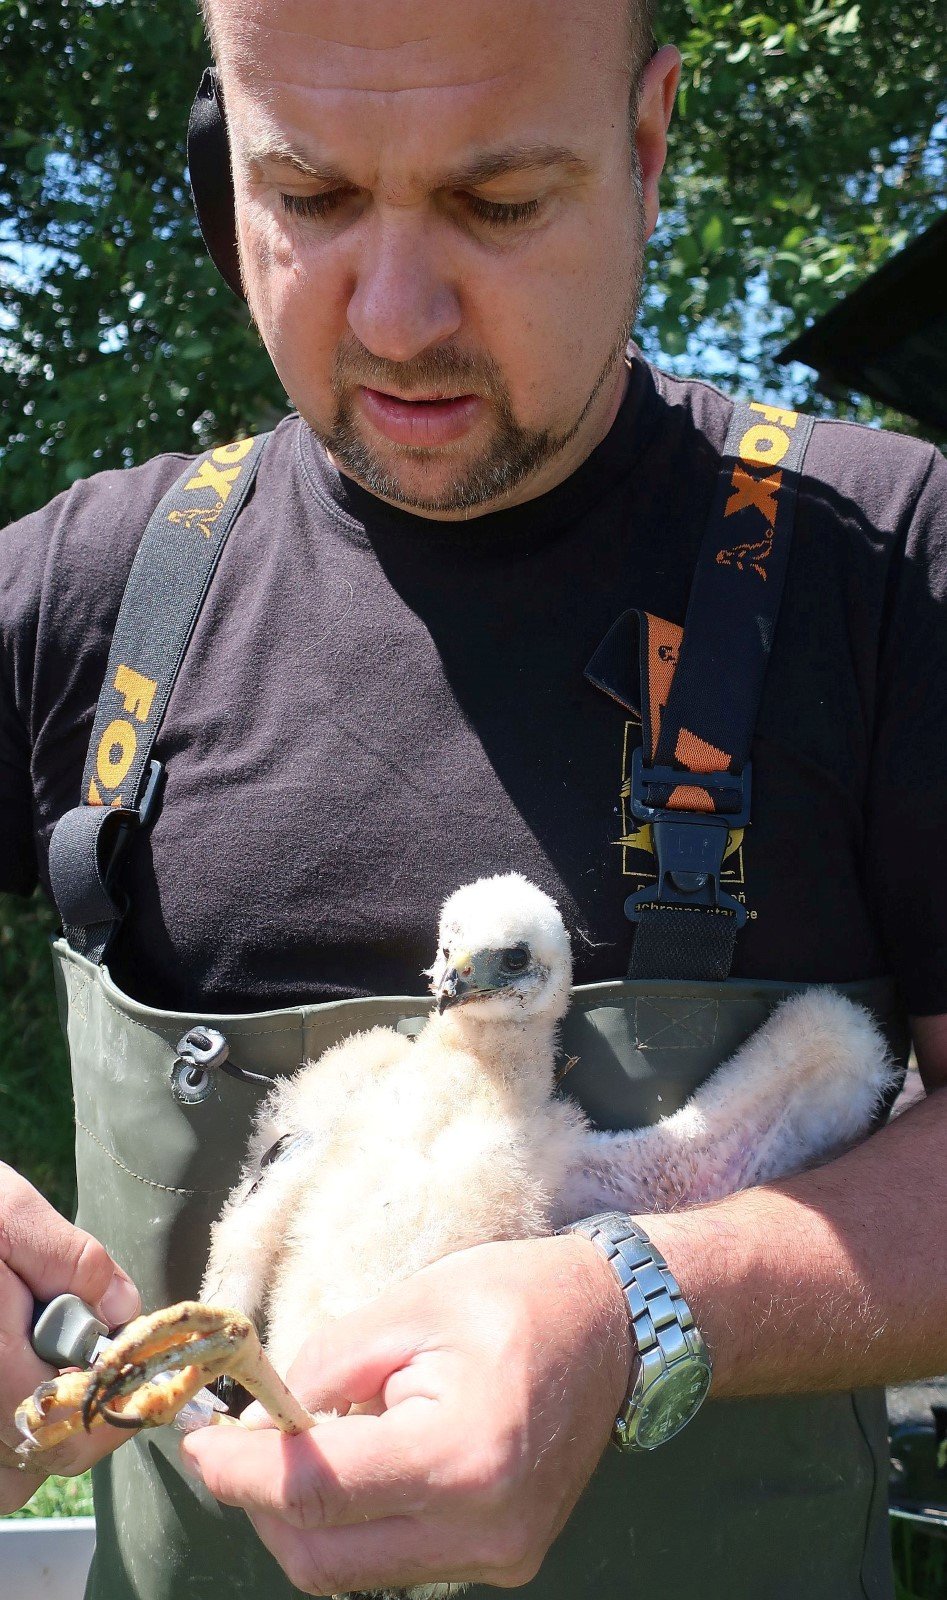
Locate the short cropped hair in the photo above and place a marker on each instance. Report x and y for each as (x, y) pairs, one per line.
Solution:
(641, 19)
(640, 33)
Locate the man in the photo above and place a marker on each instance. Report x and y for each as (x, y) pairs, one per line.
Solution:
(441, 222)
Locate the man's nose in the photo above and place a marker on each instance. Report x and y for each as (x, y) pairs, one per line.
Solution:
(402, 301)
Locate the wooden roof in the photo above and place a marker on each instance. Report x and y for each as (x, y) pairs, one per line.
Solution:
(888, 338)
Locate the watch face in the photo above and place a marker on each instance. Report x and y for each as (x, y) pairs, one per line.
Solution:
(671, 1403)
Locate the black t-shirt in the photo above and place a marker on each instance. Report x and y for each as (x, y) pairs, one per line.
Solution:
(376, 708)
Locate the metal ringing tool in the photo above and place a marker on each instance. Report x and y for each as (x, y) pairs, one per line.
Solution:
(67, 1332)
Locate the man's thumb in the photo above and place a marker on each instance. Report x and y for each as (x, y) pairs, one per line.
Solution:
(52, 1257)
(348, 1362)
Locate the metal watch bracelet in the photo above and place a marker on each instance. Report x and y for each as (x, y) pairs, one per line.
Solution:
(672, 1368)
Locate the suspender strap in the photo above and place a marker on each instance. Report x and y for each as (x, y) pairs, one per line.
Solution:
(700, 690)
(121, 783)
(738, 585)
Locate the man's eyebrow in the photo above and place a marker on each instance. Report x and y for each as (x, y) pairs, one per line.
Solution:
(516, 158)
(481, 169)
(261, 153)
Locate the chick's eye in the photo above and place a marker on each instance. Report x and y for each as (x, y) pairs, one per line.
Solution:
(516, 959)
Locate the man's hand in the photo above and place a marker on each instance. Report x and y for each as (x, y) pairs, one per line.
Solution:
(497, 1374)
(42, 1255)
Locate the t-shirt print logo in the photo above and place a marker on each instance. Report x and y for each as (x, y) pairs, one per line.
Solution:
(763, 445)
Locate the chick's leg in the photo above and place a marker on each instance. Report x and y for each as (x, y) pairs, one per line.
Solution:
(152, 1369)
(803, 1086)
(160, 1362)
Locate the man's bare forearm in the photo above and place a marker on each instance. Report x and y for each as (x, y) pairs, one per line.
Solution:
(834, 1279)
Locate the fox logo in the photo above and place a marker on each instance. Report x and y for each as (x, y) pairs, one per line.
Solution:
(762, 446)
(743, 555)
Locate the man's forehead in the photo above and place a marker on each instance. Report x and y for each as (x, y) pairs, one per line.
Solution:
(395, 46)
(408, 93)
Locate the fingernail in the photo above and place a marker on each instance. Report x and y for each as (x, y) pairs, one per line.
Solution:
(120, 1302)
(256, 1416)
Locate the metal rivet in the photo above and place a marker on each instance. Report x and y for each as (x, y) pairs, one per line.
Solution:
(190, 1084)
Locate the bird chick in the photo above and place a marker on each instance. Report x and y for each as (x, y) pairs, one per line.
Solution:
(392, 1152)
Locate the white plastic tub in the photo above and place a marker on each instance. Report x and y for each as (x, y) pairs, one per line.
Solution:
(45, 1558)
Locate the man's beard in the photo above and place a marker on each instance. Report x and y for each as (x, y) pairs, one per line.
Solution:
(512, 455)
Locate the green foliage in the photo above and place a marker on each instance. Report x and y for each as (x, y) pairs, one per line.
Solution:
(920, 1562)
(808, 146)
(61, 1497)
(36, 1132)
(121, 339)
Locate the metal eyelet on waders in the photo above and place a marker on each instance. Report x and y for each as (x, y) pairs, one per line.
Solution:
(200, 1050)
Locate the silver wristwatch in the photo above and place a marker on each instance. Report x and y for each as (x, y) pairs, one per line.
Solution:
(672, 1368)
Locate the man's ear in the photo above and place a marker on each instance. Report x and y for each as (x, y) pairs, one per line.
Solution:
(657, 92)
(208, 162)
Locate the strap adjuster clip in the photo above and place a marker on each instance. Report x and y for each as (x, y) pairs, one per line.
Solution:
(133, 821)
(146, 806)
(689, 846)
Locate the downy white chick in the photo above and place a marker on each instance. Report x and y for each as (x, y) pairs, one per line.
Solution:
(392, 1153)
(395, 1152)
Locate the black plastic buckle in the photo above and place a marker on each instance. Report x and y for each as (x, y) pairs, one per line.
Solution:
(149, 800)
(140, 817)
(689, 846)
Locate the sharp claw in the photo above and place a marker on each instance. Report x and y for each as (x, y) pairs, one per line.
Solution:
(32, 1414)
(89, 1409)
(120, 1419)
(29, 1444)
(95, 1404)
(32, 1417)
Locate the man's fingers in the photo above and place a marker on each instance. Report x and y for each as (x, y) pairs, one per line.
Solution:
(392, 1554)
(16, 1486)
(21, 1370)
(347, 1362)
(52, 1257)
(345, 1471)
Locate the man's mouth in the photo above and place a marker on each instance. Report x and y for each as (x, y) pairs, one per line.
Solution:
(424, 421)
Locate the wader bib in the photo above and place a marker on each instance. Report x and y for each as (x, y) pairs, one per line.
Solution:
(778, 1497)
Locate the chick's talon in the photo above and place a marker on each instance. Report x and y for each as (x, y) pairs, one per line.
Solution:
(151, 1370)
(53, 1413)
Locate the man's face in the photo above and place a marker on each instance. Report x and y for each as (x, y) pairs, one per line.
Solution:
(441, 216)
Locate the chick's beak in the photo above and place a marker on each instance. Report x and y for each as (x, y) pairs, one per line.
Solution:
(456, 983)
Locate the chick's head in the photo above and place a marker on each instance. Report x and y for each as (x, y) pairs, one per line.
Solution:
(503, 948)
